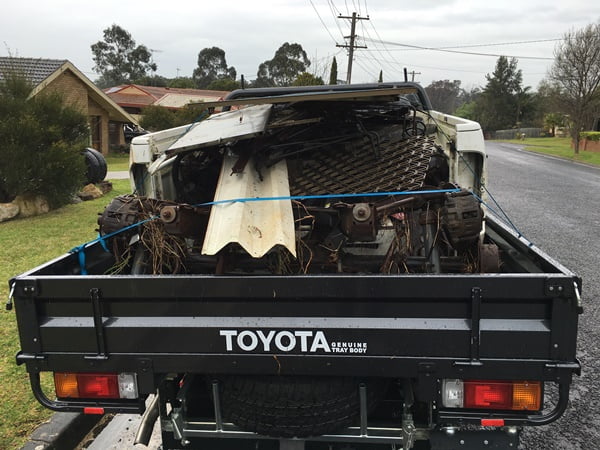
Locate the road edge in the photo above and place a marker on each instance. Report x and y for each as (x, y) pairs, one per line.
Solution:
(63, 430)
(521, 148)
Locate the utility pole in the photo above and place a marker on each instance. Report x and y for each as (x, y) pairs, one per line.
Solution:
(351, 46)
(413, 73)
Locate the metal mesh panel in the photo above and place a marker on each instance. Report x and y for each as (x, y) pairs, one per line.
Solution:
(399, 165)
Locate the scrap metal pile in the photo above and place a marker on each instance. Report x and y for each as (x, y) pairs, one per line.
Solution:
(307, 200)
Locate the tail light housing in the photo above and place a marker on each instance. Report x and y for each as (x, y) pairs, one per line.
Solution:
(95, 385)
(492, 394)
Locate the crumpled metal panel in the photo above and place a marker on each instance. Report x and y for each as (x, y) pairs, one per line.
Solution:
(240, 124)
(257, 226)
(392, 165)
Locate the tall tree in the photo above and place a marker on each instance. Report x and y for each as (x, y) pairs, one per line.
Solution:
(289, 61)
(549, 106)
(467, 103)
(498, 104)
(444, 95)
(576, 70)
(182, 82)
(212, 66)
(263, 78)
(334, 72)
(118, 59)
(380, 80)
(152, 80)
(307, 79)
(224, 84)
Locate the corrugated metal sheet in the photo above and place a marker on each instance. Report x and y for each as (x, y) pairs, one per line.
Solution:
(256, 226)
(239, 124)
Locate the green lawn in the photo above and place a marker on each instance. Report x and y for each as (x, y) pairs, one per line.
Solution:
(26, 243)
(560, 147)
(117, 162)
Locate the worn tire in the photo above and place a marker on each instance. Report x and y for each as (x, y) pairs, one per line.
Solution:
(96, 165)
(286, 406)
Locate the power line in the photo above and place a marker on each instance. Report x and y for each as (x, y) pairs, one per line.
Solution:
(503, 43)
(379, 61)
(384, 47)
(367, 70)
(481, 45)
(319, 15)
(418, 47)
(332, 7)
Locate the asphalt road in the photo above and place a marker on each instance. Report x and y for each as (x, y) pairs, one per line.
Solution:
(556, 205)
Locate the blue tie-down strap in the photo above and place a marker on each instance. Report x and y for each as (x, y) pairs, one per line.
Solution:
(80, 249)
(326, 196)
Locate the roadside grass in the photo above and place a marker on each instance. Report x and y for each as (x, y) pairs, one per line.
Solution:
(26, 243)
(117, 162)
(560, 147)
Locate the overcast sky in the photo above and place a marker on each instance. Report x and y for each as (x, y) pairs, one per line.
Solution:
(251, 30)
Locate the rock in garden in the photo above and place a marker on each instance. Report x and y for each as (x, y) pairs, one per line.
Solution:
(31, 205)
(90, 192)
(8, 211)
(105, 186)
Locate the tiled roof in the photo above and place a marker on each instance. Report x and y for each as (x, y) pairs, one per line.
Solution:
(169, 97)
(35, 70)
(131, 100)
(158, 92)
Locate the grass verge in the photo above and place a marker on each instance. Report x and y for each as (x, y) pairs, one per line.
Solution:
(560, 147)
(117, 162)
(26, 243)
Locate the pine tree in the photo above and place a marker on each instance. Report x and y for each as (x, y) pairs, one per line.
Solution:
(333, 74)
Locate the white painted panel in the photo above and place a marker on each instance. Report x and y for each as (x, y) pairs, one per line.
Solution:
(223, 127)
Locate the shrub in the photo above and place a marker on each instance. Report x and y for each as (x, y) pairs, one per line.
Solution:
(157, 118)
(41, 140)
(590, 135)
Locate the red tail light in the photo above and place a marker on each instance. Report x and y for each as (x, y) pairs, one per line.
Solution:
(95, 385)
(490, 394)
(98, 386)
(502, 395)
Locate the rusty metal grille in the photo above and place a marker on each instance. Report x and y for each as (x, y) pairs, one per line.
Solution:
(399, 165)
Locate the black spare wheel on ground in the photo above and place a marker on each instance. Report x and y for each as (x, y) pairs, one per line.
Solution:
(96, 165)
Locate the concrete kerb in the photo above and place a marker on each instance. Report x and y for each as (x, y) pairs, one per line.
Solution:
(63, 430)
(117, 175)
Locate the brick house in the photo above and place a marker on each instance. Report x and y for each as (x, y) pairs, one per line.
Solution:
(133, 98)
(106, 118)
